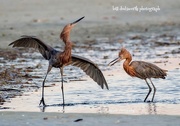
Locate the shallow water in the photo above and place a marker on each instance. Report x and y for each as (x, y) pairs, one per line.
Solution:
(125, 94)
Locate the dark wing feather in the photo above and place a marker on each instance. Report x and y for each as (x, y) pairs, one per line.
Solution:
(33, 42)
(90, 69)
(147, 70)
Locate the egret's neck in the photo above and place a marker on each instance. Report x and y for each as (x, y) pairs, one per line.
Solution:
(65, 56)
(65, 37)
(126, 66)
(68, 48)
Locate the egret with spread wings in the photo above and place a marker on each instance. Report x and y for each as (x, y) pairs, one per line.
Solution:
(60, 59)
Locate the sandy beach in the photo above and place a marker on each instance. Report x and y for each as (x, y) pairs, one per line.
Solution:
(108, 22)
(46, 119)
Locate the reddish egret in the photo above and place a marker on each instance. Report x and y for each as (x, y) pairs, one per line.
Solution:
(60, 59)
(140, 69)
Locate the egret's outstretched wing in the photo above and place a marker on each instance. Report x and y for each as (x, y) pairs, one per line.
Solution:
(90, 69)
(33, 42)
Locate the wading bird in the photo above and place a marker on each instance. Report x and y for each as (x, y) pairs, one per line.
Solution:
(140, 69)
(60, 59)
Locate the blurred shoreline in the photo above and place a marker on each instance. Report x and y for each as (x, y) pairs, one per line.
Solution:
(45, 19)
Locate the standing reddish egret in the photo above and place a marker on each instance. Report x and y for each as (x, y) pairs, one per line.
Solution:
(60, 59)
(140, 69)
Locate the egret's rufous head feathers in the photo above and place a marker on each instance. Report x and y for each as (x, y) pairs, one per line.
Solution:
(122, 55)
(66, 30)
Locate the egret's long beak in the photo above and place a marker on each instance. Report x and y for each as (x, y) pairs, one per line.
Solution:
(114, 61)
(77, 21)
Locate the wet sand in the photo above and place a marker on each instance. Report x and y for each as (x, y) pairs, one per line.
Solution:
(45, 19)
(46, 119)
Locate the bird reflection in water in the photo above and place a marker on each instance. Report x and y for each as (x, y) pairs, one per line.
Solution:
(152, 108)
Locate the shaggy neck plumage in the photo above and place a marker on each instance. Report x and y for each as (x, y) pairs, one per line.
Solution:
(126, 65)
